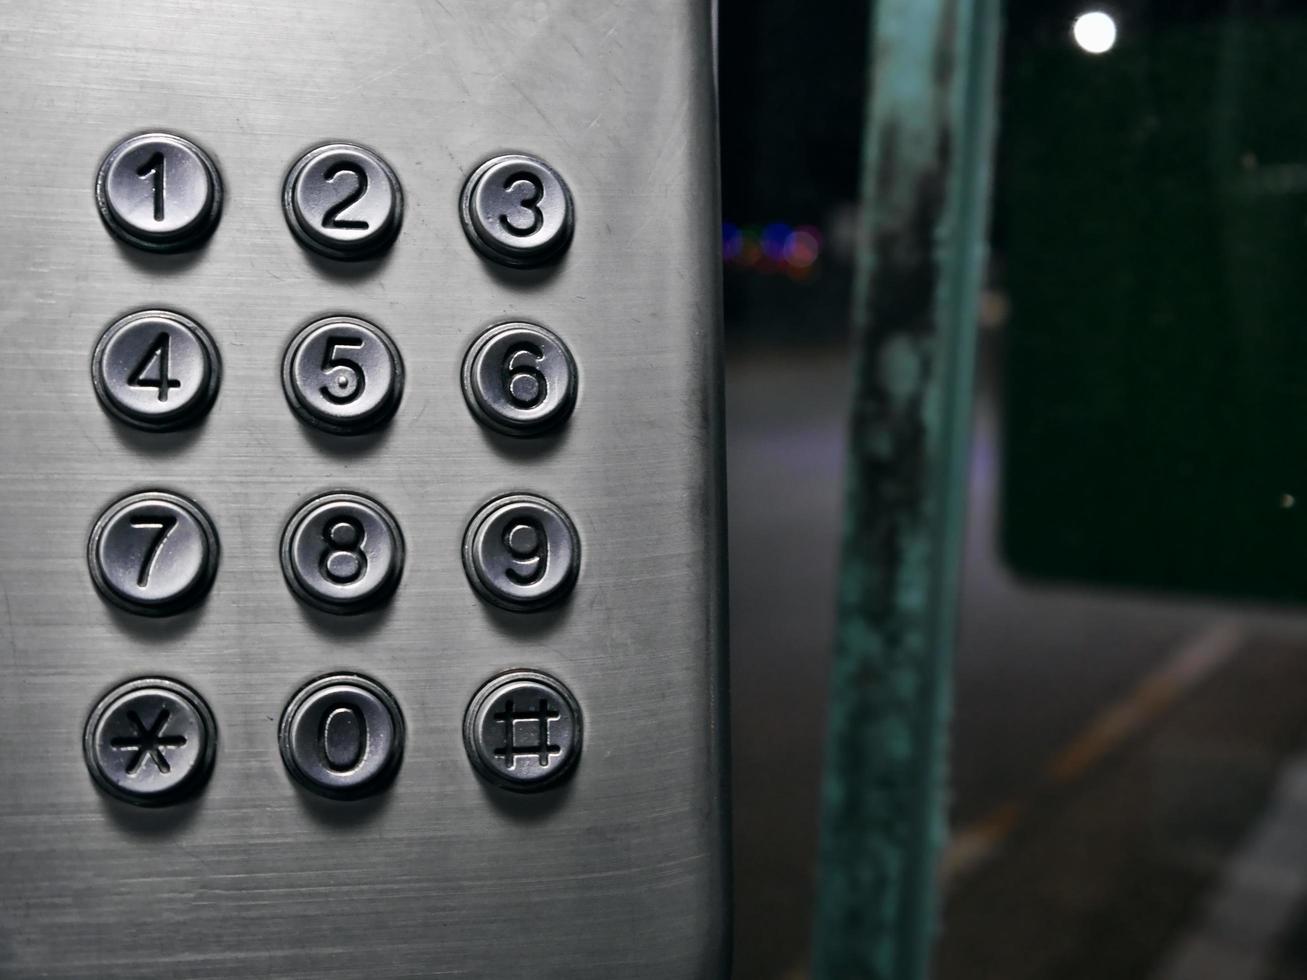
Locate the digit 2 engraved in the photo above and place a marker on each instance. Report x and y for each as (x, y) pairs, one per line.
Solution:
(164, 524)
(155, 168)
(532, 193)
(523, 380)
(528, 552)
(343, 560)
(344, 738)
(331, 218)
(160, 352)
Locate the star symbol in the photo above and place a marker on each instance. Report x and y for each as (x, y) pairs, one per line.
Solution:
(147, 743)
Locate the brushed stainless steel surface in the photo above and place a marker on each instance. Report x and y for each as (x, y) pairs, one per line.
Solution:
(620, 871)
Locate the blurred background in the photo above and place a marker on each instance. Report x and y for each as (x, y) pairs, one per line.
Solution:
(1129, 742)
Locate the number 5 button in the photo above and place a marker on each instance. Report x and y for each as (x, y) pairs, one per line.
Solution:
(153, 553)
(343, 201)
(343, 374)
(156, 370)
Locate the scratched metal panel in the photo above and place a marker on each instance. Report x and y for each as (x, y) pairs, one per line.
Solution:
(619, 873)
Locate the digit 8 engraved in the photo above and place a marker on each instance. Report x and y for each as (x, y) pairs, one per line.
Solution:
(343, 561)
(527, 550)
(523, 380)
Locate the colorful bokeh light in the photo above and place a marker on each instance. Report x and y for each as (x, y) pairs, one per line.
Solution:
(775, 248)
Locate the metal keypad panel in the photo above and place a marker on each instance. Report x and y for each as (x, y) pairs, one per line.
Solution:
(361, 458)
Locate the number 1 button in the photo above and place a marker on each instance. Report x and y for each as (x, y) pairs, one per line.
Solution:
(156, 370)
(343, 201)
(160, 192)
(153, 553)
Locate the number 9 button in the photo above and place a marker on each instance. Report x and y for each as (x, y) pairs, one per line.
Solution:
(521, 552)
(342, 553)
(519, 378)
(153, 553)
(343, 201)
(156, 370)
(343, 374)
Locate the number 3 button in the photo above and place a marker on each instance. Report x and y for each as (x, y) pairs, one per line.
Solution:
(343, 374)
(342, 553)
(343, 201)
(156, 370)
(153, 553)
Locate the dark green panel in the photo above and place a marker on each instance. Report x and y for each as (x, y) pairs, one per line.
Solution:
(1152, 234)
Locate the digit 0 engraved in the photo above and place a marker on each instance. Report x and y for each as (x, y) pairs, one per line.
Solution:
(331, 218)
(343, 740)
(144, 375)
(155, 169)
(343, 560)
(528, 551)
(164, 524)
(532, 193)
(523, 380)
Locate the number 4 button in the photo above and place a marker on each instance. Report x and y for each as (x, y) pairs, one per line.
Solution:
(156, 370)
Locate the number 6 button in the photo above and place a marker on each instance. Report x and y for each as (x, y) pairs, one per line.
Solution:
(342, 553)
(519, 378)
(343, 201)
(343, 374)
(153, 553)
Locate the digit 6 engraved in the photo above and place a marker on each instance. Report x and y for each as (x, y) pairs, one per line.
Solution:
(527, 550)
(343, 560)
(532, 193)
(523, 380)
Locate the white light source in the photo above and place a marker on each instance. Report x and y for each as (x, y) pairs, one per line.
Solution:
(1095, 31)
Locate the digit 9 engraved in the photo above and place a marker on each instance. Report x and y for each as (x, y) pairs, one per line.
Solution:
(528, 551)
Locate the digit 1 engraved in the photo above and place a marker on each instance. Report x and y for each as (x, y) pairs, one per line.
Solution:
(160, 351)
(343, 740)
(163, 523)
(156, 168)
(529, 203)
(343, 560)
(527, 551)
(523, 380)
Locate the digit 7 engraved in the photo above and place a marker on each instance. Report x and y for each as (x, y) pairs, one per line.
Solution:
(164, 524)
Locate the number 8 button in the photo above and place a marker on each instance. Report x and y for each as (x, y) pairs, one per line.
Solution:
(342, 553)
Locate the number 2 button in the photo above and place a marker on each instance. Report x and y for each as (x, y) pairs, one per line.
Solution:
(343, 201)
(156, 370)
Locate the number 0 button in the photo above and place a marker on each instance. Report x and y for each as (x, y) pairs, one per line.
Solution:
(517, 210)
(343, 375)
(342, 736)
(156, 370)
(519, 378)
(342, 553)
(160, 192)
(153, 553)
(343, 201)
(521, 552)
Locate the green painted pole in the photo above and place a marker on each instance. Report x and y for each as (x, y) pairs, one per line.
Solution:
(927, 153)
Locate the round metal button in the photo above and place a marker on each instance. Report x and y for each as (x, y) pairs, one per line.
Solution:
(343, 201)
(517, 210)
(159, 191)
(150, 742)
(156, 370)
(342, 736)
(342, 553)
(522, 730)
(521, 552)
(519, 378)
(343, 374)
(153, 553)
